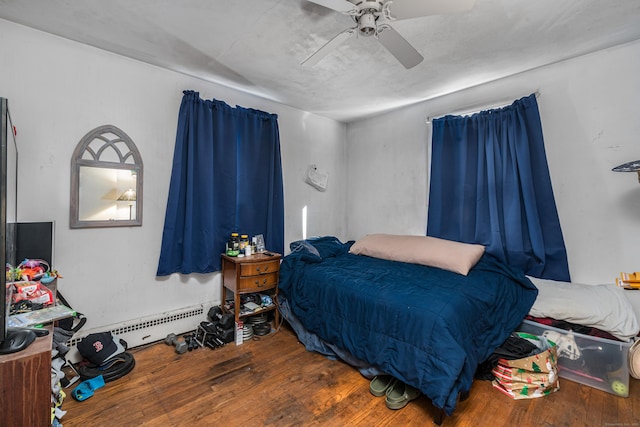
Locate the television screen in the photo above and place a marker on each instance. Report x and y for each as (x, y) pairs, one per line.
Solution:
(8, 203)
(35, 240)
(12, 340)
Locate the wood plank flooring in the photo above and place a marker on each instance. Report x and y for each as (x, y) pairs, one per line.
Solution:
(276, 382)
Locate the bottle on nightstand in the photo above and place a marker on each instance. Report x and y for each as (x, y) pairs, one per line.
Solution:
(233, 245)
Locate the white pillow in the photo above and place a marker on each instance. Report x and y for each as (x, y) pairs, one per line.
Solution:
(445, 254)
(600, 306)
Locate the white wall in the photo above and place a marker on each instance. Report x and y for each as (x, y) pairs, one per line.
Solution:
(59, 90)
(589, 110)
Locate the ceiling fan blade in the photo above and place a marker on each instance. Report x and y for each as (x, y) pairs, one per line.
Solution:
(339, 5)
(407, 9)
(398, 46)
(329, 46)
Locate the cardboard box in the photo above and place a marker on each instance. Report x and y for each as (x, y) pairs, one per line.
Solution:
(592, 361)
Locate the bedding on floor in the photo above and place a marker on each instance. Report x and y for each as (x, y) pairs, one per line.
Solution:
(426, 326)
(605, 307)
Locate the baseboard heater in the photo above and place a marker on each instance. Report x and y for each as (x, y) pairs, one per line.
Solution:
(148, 329)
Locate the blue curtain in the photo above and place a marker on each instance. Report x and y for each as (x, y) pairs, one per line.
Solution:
(226, 177)
(490, 185)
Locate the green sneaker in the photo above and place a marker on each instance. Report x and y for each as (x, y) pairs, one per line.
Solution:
(380, 384)
(400, 394)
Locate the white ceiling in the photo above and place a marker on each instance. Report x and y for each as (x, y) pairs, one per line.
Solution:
(257, 46)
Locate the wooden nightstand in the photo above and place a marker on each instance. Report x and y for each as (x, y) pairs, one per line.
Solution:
(26, 384)
(257, 273)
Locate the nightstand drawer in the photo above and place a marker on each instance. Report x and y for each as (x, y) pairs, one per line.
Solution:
(259, 268)
(256, 283)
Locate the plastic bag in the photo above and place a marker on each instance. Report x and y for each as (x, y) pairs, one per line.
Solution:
(529, 377)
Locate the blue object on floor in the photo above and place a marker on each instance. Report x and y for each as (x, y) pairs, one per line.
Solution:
(86, 388)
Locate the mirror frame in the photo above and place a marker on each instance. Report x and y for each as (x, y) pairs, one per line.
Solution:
(78, 160)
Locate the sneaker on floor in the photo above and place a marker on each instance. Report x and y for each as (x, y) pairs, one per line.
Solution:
(400, 394)
(380, 384)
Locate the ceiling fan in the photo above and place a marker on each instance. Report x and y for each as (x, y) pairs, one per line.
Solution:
(372, 18)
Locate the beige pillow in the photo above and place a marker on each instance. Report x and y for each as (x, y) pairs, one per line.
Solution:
(446, 254)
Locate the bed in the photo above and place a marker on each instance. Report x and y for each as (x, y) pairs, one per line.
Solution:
(425, 325)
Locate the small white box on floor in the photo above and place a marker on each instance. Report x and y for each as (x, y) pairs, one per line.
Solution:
(239, 333)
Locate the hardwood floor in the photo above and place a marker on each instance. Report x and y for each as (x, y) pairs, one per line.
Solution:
(276, 382)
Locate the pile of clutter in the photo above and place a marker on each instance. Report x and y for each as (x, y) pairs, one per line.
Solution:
(104, 359)
(214, 333)
(29, 280)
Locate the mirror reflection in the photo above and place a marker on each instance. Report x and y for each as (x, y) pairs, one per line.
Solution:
(106, 194)
(106, 180)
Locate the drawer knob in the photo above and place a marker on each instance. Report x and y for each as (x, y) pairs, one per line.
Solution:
(264, 282)
(260, 271)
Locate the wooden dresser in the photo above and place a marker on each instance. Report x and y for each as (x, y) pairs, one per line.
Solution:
(25, 384)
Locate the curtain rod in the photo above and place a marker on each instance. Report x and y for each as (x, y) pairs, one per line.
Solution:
(471, 109)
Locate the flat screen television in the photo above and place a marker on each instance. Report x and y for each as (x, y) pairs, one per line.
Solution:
(10, 340)
(33, 240)
(18, 240)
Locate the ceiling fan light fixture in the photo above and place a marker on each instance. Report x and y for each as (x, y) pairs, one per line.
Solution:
(367, 25)
(366, 15)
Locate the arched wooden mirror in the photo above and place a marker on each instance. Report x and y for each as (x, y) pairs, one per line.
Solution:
(106, 180)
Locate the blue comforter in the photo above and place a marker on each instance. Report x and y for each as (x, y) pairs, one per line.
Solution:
(428, 327)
